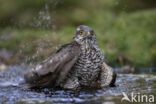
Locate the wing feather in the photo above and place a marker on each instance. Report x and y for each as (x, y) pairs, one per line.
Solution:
(108, 76)
(55, 68)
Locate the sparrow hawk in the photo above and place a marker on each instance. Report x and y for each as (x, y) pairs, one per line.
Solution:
(75, 65)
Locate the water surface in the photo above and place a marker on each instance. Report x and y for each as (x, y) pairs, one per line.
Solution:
(11, 91)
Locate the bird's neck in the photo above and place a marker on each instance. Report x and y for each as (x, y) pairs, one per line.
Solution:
(87, 45)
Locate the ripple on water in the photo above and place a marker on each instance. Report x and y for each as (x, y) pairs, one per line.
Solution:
(11, 91)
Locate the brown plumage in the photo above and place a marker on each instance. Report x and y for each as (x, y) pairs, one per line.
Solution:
(77, 64)
(55, 68)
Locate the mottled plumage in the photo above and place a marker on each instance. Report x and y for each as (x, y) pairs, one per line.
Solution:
(77, 64)
(54, 69)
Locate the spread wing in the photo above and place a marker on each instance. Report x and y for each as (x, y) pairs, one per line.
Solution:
(54, 70)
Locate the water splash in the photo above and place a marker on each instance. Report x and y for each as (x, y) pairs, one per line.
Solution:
(45, 18)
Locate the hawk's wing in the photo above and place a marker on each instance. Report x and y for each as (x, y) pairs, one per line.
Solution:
(108, 76)
(55, 69)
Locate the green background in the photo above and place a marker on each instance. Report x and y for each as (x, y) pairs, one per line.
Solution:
(32, 29)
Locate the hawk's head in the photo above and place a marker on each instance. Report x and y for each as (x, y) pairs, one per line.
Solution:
(84, 34)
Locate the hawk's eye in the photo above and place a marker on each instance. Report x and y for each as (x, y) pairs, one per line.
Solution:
(81, 32)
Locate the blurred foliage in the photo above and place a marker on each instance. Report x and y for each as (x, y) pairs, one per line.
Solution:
(125, 29)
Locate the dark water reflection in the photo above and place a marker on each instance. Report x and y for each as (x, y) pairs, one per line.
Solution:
(11, 92)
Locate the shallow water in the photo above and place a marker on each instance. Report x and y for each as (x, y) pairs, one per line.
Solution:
(12, 92)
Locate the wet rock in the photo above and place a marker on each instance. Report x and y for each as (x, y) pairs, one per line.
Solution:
(125, 69)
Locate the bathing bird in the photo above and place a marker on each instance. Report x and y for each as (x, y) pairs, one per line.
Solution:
(78, 64)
